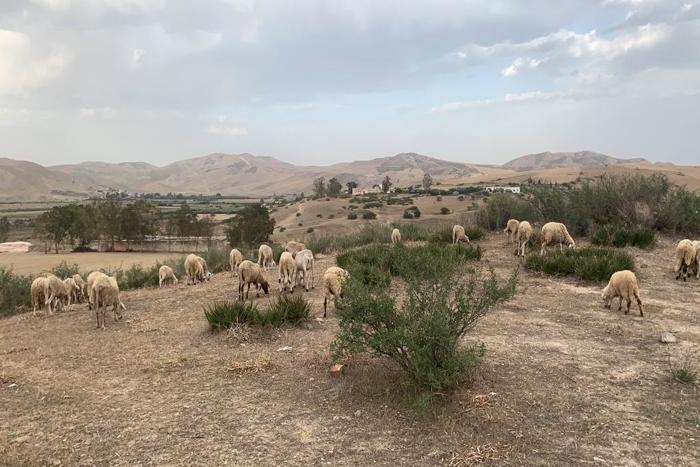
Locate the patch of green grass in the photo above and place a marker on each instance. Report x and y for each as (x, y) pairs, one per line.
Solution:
(621, 236)
(590, 264)
(14, 291)
(65, 270)
(287, 309)
(686, 369)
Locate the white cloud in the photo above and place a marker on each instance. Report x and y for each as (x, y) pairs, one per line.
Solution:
(642, 37)
(137, 56)
(23, 67)
(506, 99)
(102, 112)
(121, 6)
(520, 64)
(227, 130)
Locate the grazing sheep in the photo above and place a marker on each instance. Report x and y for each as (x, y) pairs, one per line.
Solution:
(81, 285)
(522, 236)
(234, 259)
(54, 293)
(105, 292)
(333, 280)
(305, 265)
(553, 233)
(251, 273)
(395, 236)
(92, 277)
(696, 263)
(511, 228)
(623, 284)
(166, 276)
(459, 235)
(287, 270)
(196, 269)
(72, 291)
(265, 258)
(294, 247)
(685, 257)
(37, 292)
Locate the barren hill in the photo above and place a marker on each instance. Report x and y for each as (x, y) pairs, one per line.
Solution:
(550, 160)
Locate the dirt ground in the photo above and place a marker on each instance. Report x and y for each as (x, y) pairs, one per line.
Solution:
(564, 382)
(35, 262)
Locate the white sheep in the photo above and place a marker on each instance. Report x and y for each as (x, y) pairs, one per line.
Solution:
(287, 271)
(235, 257)
(696, 264)
(305, 265)
(294, 247)
(685, 257)
(265, 258)
(37, 292)
(395, 236)
(92, 277)
(72, 291)
(511, 228)
(333, 280)
(166, 276)
(105, 292)
(623, 284)
(251, 273)
(522, 236)
(459, 235)
(54, 293)
(553, 233)
(80, 282)
(196, 269)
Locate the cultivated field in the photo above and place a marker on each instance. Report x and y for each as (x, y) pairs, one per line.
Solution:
(564, 382)
(35, 262)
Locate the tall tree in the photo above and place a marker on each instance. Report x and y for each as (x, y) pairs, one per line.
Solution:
(351, 185)
(386, 184)
(252, 224)
(427, 182)
(334, 187)
(319, 187)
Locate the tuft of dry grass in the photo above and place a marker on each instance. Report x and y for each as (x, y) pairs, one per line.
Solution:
(250, 366)
(475, 456)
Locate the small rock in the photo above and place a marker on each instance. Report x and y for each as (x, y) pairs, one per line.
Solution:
(600, 459)
(644, 265)
(286, 348)
(668, 338)
(319, 320)
(337, 369)
(13, 385)
(358, 413)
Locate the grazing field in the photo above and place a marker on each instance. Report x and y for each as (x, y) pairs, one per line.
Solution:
(564, 382)
(34, 262)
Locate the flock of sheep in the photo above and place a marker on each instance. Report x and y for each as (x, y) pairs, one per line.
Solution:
(296, 265)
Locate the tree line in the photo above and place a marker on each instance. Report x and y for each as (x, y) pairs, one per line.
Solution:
(113, 220)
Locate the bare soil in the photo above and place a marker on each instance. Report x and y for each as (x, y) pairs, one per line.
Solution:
(564, 382)
(35, 262)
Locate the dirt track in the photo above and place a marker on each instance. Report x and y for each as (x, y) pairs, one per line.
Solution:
(565, 382)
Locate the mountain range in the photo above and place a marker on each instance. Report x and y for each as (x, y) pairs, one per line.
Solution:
(246, 174)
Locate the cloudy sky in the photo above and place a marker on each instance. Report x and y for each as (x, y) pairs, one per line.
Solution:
(320, 81)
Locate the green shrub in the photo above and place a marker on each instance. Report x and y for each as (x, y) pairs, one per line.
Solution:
(685, 370)
(287, 309)
(217, 259)
(590, 264)
(310, 230)
(223, 315)
(135, 277)
(474, 233)
(373, 204)
(411, 212)
(444, 211)
(277, 251)
(500, 207)
(423, 334)
(65, 270)
(15, 291)
(291, 309)
(621, 236)
(411, 232)
(369, 215)
(352, 215)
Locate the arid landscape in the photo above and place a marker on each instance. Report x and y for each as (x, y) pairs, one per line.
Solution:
(564, 381)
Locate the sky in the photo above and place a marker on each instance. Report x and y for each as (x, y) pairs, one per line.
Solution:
(324, 81)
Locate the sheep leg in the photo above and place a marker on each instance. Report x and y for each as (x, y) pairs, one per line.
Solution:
(629, 304)
(639, 303)
(325, 305)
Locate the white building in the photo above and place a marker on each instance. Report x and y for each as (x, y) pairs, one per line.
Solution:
(509, 189)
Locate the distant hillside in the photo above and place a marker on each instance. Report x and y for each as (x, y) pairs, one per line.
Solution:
(550, 160)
